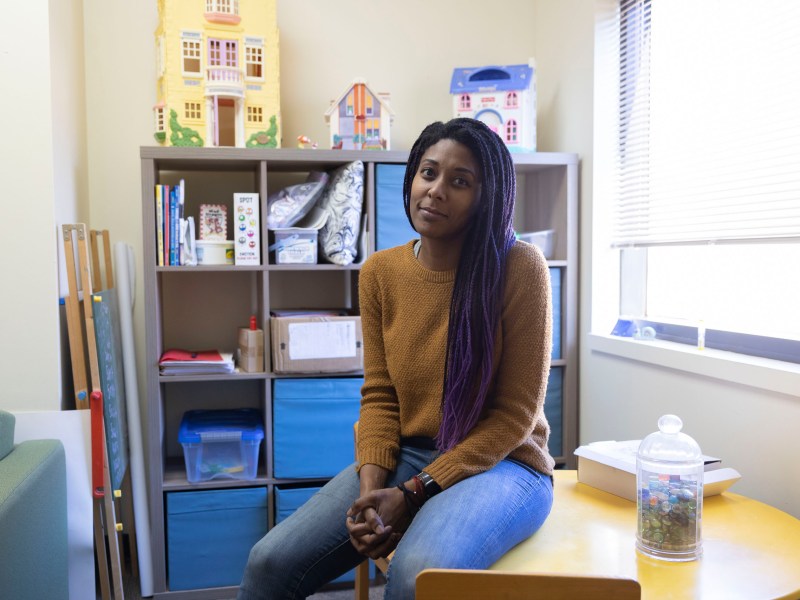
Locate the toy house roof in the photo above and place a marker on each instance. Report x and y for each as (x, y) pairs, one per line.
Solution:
(491, 79)
(382, 98)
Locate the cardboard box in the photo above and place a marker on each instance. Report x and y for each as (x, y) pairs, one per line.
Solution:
(316, 344)
(611, 467)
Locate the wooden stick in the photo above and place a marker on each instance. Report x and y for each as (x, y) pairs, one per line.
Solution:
(74, 325)
(97, 277)
(107, 256)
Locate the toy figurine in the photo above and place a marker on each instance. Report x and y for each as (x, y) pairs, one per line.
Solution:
(303, 141)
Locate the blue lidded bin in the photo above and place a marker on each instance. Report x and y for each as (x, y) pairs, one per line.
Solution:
(221, 444)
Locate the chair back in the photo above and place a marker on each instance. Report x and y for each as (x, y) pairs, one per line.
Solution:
(458, 584)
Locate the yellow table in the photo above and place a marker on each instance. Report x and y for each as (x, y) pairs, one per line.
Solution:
(750, 550)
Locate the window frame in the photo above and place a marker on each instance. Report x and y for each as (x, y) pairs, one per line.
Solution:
(632, 261)
(614, 298)
(191, 49)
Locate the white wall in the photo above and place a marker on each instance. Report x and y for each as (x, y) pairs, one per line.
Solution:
(30, 170)
(407, 48)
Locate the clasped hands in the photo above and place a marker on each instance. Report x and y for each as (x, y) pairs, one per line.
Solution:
(376, 522)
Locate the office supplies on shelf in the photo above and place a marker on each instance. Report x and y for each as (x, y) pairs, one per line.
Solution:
(195, 362)
(251, 348)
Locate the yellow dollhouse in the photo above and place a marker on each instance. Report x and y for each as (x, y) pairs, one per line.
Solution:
(218, 79)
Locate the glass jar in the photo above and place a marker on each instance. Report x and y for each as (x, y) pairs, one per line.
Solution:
(669, 481)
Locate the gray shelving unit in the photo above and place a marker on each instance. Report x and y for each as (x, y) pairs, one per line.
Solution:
(199, 307)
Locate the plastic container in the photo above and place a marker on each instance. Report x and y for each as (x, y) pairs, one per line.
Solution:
(541, 239)
(221, 444)
(214, 252)
(295, 245)
(669, 481)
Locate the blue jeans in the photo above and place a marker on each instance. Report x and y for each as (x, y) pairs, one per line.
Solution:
(468, 526)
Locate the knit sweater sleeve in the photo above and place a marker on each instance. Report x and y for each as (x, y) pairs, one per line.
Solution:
(379, 420)
(516, 406)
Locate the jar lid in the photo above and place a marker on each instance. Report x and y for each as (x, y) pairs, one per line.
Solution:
(668, 444)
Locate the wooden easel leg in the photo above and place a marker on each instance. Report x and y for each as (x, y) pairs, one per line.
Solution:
(100, 550)
(107, 502)
(112, 529)
(74, 322)
(128, 519)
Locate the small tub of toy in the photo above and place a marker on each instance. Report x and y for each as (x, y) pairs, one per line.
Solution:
(214, 252)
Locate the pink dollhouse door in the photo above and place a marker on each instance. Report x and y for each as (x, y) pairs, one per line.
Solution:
(223, 65)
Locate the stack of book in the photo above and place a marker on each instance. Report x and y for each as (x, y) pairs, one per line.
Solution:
(192, 362)
(170, 224)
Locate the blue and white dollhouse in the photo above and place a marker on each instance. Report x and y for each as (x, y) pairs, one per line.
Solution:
(503, 97)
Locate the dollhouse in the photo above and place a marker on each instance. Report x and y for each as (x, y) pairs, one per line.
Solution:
(360, 119)
(218, 79)
(503, 97)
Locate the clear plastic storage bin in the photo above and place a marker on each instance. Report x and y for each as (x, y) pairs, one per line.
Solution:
(221, 444)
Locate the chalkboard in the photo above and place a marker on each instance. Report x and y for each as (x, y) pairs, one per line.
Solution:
(112, 382)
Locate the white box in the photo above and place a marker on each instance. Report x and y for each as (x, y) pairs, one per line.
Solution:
(246, 229)
(295, 245)
(611, 467)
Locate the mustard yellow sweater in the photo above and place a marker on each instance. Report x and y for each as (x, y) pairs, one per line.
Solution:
(404, 316)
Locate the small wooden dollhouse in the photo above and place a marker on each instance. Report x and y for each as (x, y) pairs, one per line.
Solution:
(503, 97)
(218, 79)
(360, 119)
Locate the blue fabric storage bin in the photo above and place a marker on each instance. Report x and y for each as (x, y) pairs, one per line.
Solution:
(288, 500)
(554, 410)
(313, 426)
(555, 287)
(391, 224)
(210, 534)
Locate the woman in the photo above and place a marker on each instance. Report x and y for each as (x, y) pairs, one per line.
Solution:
(453, 468)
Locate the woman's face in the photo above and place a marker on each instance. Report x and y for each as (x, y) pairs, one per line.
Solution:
(445, 191)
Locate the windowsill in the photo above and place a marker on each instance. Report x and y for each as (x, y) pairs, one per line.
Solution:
(762, 373)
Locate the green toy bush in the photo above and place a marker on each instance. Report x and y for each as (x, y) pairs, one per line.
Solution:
(265, 139)
(182, 136)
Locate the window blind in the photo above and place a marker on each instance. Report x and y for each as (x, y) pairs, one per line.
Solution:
(709, 125)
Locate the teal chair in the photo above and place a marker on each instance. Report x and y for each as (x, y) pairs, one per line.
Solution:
(33, 517)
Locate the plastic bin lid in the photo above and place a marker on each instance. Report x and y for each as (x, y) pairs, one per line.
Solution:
(195, 423)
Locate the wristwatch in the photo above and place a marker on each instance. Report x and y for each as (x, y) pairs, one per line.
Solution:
(429, 483)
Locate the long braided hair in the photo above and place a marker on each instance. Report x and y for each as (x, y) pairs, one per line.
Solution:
(477, 299)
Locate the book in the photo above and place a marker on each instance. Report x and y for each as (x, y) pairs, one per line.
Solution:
(181, 239)
(159, 226)
(178, 361)
(213, 222)
(165, 194)
(173, 226)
